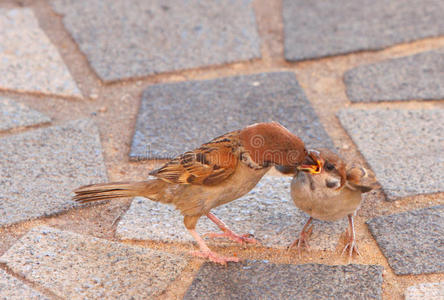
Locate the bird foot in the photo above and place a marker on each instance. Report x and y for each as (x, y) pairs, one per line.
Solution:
(351, 246)
(214, 257)
(302, 241)
(241, 239)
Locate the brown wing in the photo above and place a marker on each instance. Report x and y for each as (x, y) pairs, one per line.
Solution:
(210, 164)
(361, 178)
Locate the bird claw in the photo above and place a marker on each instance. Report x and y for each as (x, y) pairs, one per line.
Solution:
(214, 257)
(241, 239)
(302, 240)
(351, 246)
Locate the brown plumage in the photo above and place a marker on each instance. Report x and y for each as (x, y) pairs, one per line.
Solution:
(327, 189)
(216, 173)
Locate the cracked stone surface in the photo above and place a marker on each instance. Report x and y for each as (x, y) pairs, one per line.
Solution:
(267, 212)
(320, 28)
(13, 289)
(210, 108)
(41, 167)
(124, 39)
(412, 242)
(403, 147)
(429, 291)
(263, 280)
(29, 62)
(74, 265)
(419, 76)
(14, 114)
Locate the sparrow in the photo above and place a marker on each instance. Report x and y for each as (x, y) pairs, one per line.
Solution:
(216, 173)
(327, 189)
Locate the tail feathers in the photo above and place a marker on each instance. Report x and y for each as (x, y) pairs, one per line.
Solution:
(103, 191)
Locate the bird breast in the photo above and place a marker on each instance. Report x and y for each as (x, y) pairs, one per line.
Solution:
(320, 202)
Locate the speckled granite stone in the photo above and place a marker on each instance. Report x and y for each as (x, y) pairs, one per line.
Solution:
(429, 291)
(412, 242)
(267, 212)
(83, 267)
(124, 38)
(14, 114)
(262, 280)
(403, 147)
(419, 76)
(40, 168)
(176, 117)
(29, 62)
(320, 28)
(13, 289)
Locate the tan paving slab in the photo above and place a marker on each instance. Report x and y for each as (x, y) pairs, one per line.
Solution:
(39, 169)
(402, 146)
(14, 114)
(75, 266)
(13, 289)
(267, 212)
(429, 291)
(29, 62)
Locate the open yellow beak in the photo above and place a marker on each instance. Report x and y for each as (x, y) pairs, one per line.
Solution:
(312, 168)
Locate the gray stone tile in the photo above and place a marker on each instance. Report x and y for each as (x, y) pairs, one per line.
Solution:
(262, 280)
(14, 114)
(419, 76)
(13, 289)
(137, 38)
(29, 62)
(429, 291)
(412, 242)
(267, 212)
(83, 267)
(320, 28)
(41, 167)
(177, 117)
(403, 147)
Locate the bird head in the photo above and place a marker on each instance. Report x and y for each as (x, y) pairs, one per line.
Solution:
(325, 166)
(272, 144)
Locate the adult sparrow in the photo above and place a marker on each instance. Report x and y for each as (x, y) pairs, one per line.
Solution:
(216, 173)
(327, 189)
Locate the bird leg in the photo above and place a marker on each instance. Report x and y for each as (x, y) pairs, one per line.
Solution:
(205, 252)
(227, 233)
(351, 243)
(303, 237)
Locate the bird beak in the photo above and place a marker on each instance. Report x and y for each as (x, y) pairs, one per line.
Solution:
(312, 163)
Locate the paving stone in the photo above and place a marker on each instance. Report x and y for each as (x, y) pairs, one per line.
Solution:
(83, 267)
(419, 76)
(320, 28)
(429, 291)
(267, 212)
(177, 117)
(403, 147)
(40, 168)
(29, 62)
(137, 38)
(263, 280)
(13, 289)
(412, 242)
(14, 114)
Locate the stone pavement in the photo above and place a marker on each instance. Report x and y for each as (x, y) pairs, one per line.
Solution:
(169, 75)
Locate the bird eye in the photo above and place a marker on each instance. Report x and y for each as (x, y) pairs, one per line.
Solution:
(329, 166)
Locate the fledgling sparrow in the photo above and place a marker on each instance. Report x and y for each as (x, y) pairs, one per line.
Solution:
(327, 189)
(216, 173)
